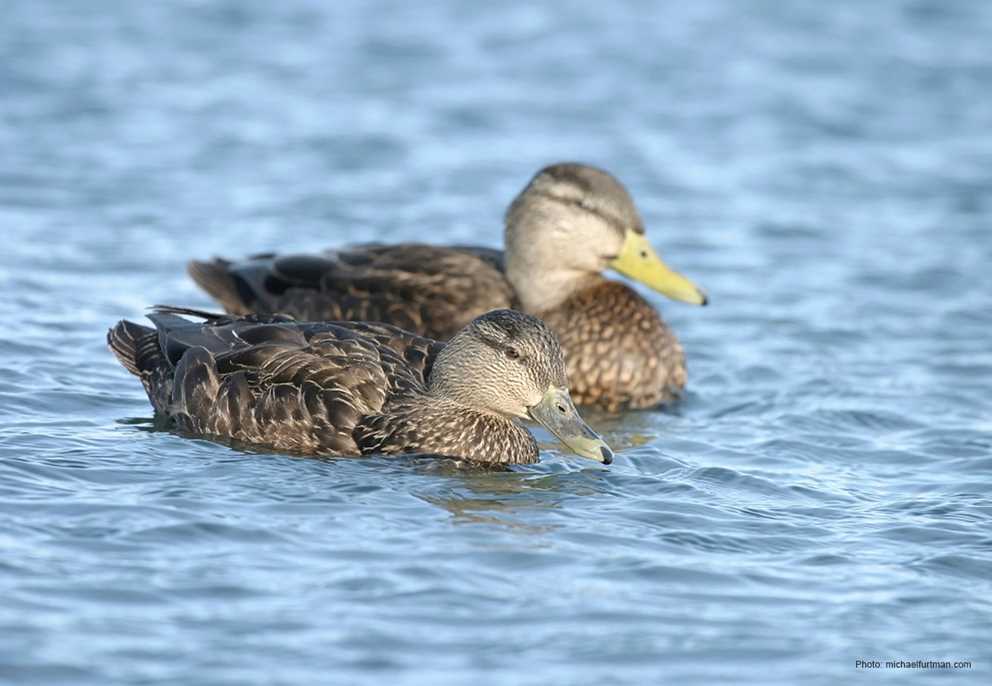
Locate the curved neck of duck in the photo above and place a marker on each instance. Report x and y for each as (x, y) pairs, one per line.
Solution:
(546, 258)
(445, 427)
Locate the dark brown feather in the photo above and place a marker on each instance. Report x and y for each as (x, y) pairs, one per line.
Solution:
(432, 290)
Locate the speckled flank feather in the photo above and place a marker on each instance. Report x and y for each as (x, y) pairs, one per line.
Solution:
(431, 290)
(620, 353)
(328, 388)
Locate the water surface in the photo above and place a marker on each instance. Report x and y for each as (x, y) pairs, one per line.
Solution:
(822, 494)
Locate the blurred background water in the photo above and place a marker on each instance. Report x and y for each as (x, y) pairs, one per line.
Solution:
(822, 495)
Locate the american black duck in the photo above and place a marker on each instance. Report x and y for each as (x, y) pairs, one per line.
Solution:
(352, 388)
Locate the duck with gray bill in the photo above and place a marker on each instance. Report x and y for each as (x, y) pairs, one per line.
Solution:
(568, 225)
(358, 388)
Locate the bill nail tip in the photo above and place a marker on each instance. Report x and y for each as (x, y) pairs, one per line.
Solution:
(607, 455)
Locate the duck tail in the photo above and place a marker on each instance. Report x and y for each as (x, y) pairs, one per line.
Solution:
(216, 279)
(135, 346)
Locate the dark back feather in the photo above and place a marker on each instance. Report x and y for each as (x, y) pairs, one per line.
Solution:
(430, 290)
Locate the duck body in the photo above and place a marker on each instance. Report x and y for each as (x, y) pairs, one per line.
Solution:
(332, 388)
(569, 224)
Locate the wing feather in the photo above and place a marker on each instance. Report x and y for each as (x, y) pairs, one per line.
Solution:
(295, 386)
(431, 290)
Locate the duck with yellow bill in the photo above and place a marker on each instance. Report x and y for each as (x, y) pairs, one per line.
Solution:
(569, 224)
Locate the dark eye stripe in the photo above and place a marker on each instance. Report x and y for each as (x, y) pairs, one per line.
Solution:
(578, 202)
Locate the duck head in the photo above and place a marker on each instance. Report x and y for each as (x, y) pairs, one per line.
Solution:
(572, 222)
(511, 364)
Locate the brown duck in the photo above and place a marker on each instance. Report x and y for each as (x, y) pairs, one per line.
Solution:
(567, 226)
(352, 388)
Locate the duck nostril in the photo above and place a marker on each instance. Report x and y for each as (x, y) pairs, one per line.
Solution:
(561, 408)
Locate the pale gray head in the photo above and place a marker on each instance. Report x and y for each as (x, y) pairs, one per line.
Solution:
(571, 222)
(592, 196)
(502, 362)
(510, 364)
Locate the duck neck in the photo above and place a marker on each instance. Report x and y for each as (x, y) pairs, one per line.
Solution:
(542, 290)
(448, 427)
(543, 264)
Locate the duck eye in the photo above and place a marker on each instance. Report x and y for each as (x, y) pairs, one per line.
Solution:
(644, 254)
(511, 353)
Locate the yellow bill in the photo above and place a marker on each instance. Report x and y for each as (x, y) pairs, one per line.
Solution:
(639, 261)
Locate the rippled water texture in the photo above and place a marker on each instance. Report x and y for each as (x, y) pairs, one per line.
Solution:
(824, 169)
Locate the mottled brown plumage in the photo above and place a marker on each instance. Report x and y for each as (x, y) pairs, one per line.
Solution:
(570, 223)
(349, 388)
(620, 353)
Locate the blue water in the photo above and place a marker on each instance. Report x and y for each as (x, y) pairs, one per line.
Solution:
(823, 169)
